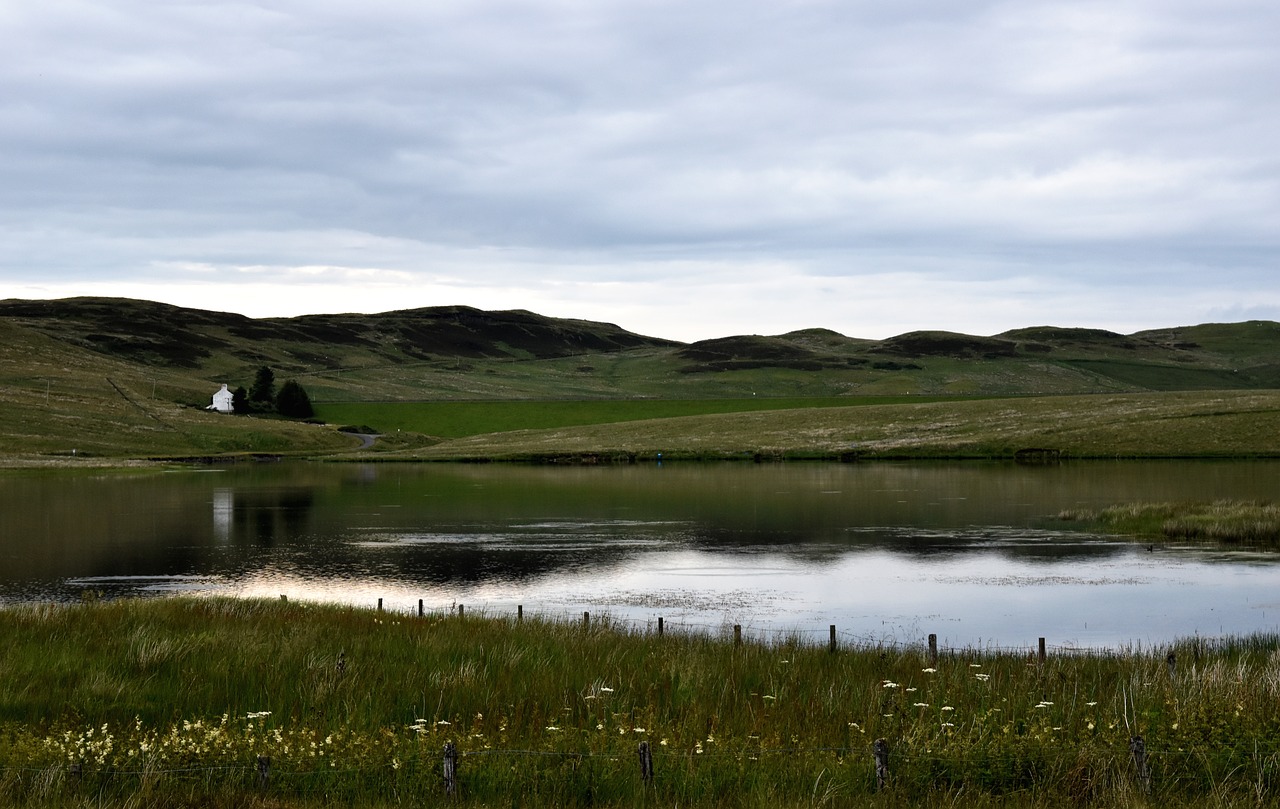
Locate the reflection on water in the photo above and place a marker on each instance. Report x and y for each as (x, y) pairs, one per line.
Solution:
(968, 551)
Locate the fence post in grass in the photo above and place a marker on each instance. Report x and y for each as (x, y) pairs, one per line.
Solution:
(586, 620)
(519, 612)
(737, 634)
(379, 605)
(1172, 662)
(284, 598)
(450, 769)
(880, 749)
(421, 611)
(646, 763)
(659, 626)
(1041, 655)
(831, 644)
(460, 608)
(1138, 748)
(933, 650)
(264, 771)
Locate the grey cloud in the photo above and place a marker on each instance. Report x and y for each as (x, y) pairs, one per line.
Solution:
(1133, 137)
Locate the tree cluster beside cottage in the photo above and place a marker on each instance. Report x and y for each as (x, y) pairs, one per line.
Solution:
(291, 401)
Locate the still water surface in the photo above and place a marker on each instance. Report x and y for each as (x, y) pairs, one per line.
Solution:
(884, 551)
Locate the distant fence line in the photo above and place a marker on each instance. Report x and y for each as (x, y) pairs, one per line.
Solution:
(836, 638)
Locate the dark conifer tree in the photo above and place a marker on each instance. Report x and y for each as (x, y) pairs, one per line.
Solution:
(293, 401)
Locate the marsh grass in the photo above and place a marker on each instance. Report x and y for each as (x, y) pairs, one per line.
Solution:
(171, 702)
(1234, 521)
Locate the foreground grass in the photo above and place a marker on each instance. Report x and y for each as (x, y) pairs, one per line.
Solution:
(1220, 521)
(171, 703)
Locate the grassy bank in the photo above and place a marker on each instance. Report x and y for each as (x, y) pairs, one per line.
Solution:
(1221, 521)
(1154, 425)
(171, 703)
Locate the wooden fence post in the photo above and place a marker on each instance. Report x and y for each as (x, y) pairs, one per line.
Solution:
(1138, 748)
(1042, 654)
(519, 613)
(450, 769)
(831, 645)
(659, 626)
(880, 749)
(737, 634)
(379, 605)
(421, 611)
(1172, 662)
(933, 650)
(586, 620)
(646, 763)
(264, 771)
(460, 610)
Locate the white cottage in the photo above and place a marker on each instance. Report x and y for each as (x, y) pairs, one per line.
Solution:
(223, 401)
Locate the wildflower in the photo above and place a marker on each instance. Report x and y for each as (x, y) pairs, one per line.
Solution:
(637, 730)
(768, 696)
(697, 748)
(929, 671)
(1091, 704)
(663, 742)
(911, 690)
(606, 689)
(599, 726)
(552, 728)
(975, 665)
(983, 677)
(890, 684)
(444, 722)
(947, 725)
(921, 705)
(947, 708)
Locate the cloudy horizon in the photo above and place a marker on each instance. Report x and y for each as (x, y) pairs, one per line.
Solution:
(685, 170)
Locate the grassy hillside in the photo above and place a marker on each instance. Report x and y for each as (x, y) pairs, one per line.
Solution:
(130, 378)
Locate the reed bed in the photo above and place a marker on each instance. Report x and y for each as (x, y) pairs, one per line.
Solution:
(178, 703)
(1234, 521)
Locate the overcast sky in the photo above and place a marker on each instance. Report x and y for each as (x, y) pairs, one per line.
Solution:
(686, 169)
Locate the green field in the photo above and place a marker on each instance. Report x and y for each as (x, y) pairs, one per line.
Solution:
(452, 419)
(171, 703)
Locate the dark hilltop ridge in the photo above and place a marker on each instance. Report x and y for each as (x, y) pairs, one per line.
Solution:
(460, 352)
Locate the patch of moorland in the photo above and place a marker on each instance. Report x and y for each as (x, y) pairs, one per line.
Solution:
(175, 703)
(1154, 425)
(456, 352)
(1233, 521)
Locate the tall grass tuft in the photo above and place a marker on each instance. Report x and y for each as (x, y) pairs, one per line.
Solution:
(172, 702)
(1236, 521)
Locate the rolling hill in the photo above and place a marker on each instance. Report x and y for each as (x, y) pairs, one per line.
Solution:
(117, 376)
